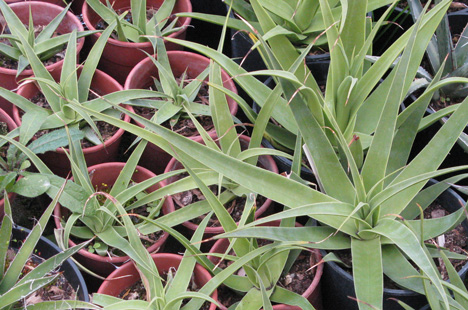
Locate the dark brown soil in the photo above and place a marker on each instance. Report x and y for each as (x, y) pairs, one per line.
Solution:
(234, 207)
(227, 297)
(299, 277)
(456, 240)
(59, 289)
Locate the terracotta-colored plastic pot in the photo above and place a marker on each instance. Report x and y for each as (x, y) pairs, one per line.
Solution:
(5, 118)
(264, 161)
(107, 173)
(42, 14)
(141, 77)
(56, 2)
(119, 58)
(312, 293)
(58, 161)
(127, 275)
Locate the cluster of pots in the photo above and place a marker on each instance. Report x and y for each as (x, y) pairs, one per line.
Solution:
(126, 64)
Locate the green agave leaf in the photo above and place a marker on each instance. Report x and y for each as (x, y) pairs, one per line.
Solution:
(20, 291)
(367, 272)
(409, 243)
(5, 233)
(10, 51)
(281, 295)
(31, 122)
(62, 304)
(397, 267)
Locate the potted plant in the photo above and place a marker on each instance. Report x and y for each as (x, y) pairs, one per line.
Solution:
(124, 52)
(168, 279)
(47, 43)
(361, 198)
(31, 262)
(181, 82)
(84, 84)
(96, 216)
(312, 274)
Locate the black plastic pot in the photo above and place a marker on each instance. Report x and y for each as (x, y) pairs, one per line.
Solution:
(47, 249)
(204, 32)
(319, 70)
(337, 284)
(399, 21)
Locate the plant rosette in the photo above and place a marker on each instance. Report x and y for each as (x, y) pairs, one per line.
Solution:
(338, 283)
(10, 124)
(312, 293)
(119, 58)
(141, 77)
(264, 161)
(57, 161)
(42, 14)
(106, 174)
(127, 275)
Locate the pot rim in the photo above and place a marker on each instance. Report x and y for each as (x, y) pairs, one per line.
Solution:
(72, 18)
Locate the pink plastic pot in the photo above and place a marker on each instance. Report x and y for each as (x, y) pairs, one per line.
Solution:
(107, 173)
(265, 161)
(5, 118)
(313, 292)
(58, 161)
(141, 77)
(42, 14)
(119, 58)
(127, 275)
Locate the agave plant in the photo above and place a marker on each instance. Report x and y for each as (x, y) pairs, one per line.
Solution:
(138, 28)
(362, 209)
(444, 55)
(160, 294)
(174, 98)
(45, 44)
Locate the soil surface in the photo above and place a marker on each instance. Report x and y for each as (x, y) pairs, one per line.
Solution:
(235, 207)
